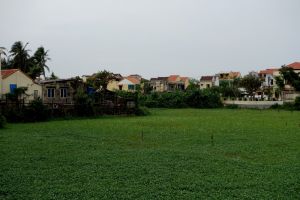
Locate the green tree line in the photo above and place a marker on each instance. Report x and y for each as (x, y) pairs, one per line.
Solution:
(35, 65)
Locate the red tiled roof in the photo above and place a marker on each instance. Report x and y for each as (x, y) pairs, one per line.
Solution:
(133, 80)
(7, 72)
(173, 78)
(295, 65)
(206, 78)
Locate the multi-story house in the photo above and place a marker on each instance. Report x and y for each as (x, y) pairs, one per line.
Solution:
(159, 84)
(175, 82)
(170, 83)
(227, 77)
(208, 81)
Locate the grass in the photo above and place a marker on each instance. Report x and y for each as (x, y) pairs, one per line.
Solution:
(171, 154)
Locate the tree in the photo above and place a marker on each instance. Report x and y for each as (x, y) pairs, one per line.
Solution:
(101, 79)
(230, 88)
(146, 87)
(53, 76)
(251, 83)
(290, 77)
(193, 84)
(2, 60)
(40, 59)
(19, 56)
(280, 86)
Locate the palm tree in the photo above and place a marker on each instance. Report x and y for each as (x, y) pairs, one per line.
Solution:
(40, 58)
(20, 56)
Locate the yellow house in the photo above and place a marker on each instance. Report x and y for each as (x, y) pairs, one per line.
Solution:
(113, 85)
(129, 84)
(15, 78)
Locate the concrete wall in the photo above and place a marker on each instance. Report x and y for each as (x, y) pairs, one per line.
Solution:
(253, 104)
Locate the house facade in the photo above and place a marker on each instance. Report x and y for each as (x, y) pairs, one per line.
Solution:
(227, 77)
(268, 83)
(175, 82)
(159, 84)
(15, 78)
(267, 77)
(60, 91)
(207, 82)
(170, 83)
(129, 83)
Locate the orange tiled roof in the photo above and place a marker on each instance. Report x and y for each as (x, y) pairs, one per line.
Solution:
(295, 65)
(268, 71)
(7, 72)
(133, 80)
(173, 78)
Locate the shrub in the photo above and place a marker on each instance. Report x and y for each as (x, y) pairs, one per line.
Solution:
(36, 111)
(83, 104)
(208, 98)
(2, 121)
(276, 106)
(13, 114)
(288, 106)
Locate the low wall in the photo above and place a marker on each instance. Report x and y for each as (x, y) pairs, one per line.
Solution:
(253, 104)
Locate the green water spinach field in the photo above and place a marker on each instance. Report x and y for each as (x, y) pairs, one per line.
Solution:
(170, 154)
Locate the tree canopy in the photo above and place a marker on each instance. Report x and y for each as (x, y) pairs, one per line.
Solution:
(288, 76)
(251, 83)
(101, 79)
(19, 58)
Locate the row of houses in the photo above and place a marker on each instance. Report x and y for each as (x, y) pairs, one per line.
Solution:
(267, 77)
(62, 90)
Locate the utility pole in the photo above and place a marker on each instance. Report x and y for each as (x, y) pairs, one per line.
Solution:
(1, 50)
(1, 90)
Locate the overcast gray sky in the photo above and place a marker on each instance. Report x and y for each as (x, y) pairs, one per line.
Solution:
(156, 37)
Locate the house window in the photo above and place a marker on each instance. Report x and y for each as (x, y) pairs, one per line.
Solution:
(63, 92)
(271, 82)
(130, 87)
(35, 94)
(208, 85)
(50, 92)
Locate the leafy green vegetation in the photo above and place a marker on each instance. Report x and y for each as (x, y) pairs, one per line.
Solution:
(193, 98)
(170, 154)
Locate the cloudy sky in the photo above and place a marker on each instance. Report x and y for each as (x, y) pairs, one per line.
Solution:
(155, 37)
